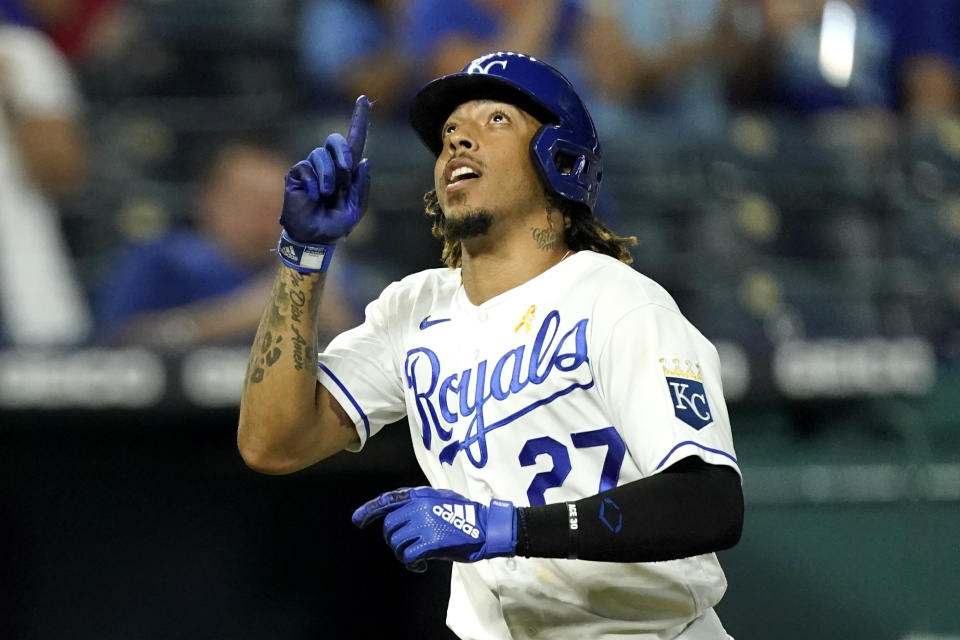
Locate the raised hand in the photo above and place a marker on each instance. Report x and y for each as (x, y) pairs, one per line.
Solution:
(326, 195)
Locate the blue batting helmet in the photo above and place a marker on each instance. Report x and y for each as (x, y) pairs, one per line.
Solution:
(565, 150)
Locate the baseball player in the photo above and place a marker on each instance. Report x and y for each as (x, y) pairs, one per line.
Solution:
(569, 419)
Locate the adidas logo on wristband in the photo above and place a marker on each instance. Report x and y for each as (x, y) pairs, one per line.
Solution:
(289, 253)
(305, 258)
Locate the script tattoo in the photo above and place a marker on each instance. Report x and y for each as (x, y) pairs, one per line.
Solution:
(546, 239)
(287, 314)
(297, 298)
(300, 350)
(298, 301)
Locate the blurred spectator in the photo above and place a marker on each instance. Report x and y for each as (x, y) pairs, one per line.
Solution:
(443, 36)
(820, 55)
(17, 12)
(42, 157)
(207, 285)
(79, 28)
(661, 60)
(925, 54)
(349, 47)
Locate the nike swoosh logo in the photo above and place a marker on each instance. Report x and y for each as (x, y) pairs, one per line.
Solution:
(427, 322)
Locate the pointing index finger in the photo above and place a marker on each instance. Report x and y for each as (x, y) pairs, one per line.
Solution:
(379, 506)
(357, 137)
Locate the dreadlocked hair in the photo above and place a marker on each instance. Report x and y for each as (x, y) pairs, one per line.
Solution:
(587, 232)
(583, 231)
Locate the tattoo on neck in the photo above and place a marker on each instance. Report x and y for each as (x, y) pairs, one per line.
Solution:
(546, 239)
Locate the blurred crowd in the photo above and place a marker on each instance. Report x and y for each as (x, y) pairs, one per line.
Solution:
(75, 74)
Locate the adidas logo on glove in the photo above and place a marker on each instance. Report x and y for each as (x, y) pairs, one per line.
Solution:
(463, 517)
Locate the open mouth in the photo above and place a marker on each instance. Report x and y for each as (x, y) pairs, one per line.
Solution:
(460, 177)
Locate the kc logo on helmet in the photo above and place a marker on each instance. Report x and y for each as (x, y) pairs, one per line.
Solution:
(688, 395)
(483, 64)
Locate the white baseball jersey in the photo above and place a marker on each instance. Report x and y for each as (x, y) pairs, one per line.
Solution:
(581, 379)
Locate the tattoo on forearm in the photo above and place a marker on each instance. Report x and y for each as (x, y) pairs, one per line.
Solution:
(264, 354)
(301, 346)
(254, 371)
(269, 346)
(298, 299)
(310, 355)
(266, 350)
(274, 317)
(546, 239)
(297, 302)
(299, 349)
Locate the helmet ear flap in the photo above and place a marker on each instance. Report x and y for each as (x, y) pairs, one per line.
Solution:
(569, 169)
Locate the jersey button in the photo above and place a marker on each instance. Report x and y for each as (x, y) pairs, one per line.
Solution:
(476, 353)
(483, 317)
(511, 564)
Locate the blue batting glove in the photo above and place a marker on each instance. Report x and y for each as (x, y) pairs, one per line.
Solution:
(423, 524)
(325, 196)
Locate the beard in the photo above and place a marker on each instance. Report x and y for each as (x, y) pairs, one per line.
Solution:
(472, 224)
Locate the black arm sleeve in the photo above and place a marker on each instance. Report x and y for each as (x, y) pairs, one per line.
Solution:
(688, 509)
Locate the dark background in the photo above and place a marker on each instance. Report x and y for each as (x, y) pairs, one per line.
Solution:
(148, 525)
